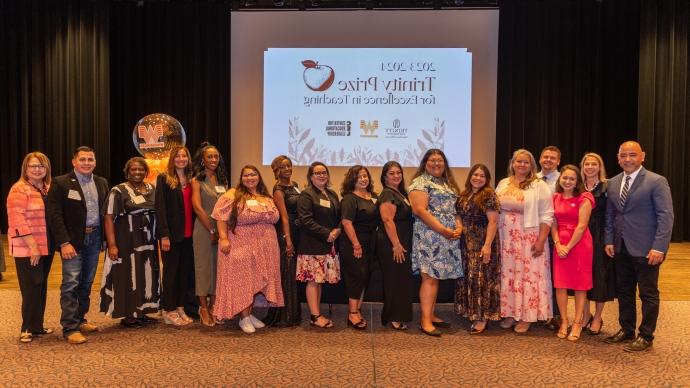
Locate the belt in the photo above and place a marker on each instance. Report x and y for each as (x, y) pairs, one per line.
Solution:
(90, 229)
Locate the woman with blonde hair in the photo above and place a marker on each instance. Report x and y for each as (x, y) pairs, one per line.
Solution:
(29, 241)
(603, 272)
(524, 223)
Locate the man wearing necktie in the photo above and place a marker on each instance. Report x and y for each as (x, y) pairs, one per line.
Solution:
(639, 221)
(549, 160)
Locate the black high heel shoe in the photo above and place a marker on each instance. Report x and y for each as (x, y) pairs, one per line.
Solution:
(592, 332)
(359, 325)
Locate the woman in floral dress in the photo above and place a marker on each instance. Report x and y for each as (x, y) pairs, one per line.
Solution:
(436, 233)
(248, 253)
(523, 226)
(478, 293)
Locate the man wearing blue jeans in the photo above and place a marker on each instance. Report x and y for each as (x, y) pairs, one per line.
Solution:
(74, 213)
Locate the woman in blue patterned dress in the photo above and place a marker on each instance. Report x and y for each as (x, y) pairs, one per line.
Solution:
(436, 233)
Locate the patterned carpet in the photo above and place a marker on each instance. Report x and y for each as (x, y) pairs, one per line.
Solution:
(160, 355)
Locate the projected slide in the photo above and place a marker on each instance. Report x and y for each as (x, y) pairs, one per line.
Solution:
(346, 106)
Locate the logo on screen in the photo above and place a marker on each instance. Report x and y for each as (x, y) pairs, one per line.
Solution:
(151, 135)
(317, 77)
(369, 128)
(396, 132)
(338, 128)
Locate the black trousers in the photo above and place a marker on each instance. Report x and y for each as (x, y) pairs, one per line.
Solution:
(33, 284)
(178, 262)
(633, 272)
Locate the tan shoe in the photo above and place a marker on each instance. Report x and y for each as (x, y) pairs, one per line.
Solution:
(88, 327)
(76, 338)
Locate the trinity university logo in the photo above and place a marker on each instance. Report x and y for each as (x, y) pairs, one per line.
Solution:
(317, 77)
(369, 127)
(151, 135)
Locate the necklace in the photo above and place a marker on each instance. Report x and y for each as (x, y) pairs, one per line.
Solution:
(593, 187)
(140, 190)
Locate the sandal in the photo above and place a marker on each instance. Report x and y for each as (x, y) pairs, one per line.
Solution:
(205, 318)
(474, 330)
(359, 325)
(572, 336)
(597, 332)
(26, 337)
(563, 330)
(401, 326)
(315, 318)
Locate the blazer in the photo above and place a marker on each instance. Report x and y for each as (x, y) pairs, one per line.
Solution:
(646, 220)
(315, 221)
(66, 216)
(169, 211)
(26, 214)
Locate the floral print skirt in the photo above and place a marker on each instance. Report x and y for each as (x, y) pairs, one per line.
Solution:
(318, 268)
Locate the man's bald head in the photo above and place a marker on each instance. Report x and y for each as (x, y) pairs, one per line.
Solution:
(630, 156)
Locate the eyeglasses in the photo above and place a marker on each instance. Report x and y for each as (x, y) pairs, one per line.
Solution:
(320, 173)
(36, 166)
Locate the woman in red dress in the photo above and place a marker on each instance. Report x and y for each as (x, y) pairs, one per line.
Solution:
(572, 264)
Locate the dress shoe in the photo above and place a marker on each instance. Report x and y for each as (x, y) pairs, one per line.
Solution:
(619, 337)
(639, 345)
(434, 333)
(522, 327)
(76, 338)
(507, 323)
(442, 324)
(256, 322)
(88, 327)
(246, 325)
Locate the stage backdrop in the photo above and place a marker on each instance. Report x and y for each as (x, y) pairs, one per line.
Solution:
(432, 73)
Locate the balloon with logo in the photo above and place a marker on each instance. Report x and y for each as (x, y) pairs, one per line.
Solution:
(154, 136)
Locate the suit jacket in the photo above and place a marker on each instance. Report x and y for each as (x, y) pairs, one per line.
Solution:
(169, 211)
(66, 216)
(315, 222)
(646, 220)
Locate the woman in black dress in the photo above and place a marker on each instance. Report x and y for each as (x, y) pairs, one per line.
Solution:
(360, 217)
(394, 240)
(285, 195)
(131, 287)
(603, 274)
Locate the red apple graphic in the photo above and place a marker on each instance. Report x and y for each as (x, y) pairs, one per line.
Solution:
(317, 77)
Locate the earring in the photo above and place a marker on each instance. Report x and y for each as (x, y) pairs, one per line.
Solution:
(202, 163)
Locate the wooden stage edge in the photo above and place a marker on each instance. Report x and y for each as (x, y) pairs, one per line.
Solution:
(674, 280)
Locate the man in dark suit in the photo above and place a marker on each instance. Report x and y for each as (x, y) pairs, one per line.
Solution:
(74, 209)
(639, 220)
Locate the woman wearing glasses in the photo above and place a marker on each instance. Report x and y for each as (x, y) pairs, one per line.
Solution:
(318, 211)
(29, 241)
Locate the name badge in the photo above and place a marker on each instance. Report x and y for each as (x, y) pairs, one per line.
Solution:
(220, 189)
(252, 202)
(74, 194)
(138, 199)
(325, 203)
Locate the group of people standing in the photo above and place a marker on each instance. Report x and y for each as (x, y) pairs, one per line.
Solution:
(512, 249)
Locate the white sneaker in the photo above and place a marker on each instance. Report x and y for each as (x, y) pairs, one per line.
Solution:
(256, 322)
(246, 325)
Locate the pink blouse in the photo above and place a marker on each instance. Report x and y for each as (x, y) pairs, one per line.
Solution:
(26, 215)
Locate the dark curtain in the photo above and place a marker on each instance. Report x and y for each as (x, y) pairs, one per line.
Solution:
(664, 101)
(54, 84)
(567, 76)
(174, 58)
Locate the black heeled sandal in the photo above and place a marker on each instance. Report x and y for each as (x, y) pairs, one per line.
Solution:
(359, 325)
(315, 318)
